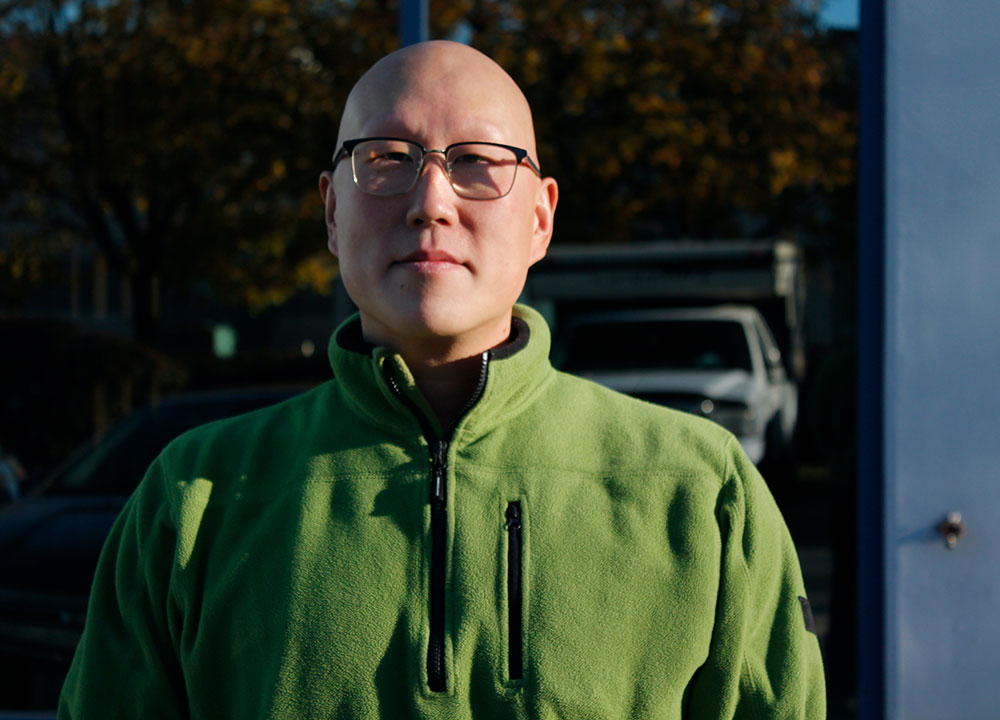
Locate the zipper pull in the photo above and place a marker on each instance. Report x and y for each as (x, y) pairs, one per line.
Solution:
(514, 516)
(439, 462)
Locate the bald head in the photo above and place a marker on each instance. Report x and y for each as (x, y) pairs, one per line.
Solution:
(439, 74)
(435, 273)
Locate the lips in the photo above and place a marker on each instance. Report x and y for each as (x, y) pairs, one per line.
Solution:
(429, 256)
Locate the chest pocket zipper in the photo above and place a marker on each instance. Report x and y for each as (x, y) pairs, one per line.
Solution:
(515, 650)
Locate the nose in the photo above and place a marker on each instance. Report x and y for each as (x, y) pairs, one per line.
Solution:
(432, 200)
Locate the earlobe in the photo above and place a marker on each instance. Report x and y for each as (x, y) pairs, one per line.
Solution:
(329, 209)
(545, 209)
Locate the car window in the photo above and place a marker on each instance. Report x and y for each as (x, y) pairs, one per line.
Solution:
(772, 356)
(117, 464)
(656, 344)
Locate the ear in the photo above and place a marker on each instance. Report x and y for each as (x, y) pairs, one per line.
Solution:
(545, 210)
(330, 206)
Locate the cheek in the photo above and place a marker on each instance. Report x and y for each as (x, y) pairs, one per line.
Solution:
(354, 208)
(357, 226)
(509, 226)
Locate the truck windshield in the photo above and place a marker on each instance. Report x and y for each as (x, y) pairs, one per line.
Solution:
(674, 344)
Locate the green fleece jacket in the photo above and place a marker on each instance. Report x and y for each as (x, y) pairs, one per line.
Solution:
(569, 552)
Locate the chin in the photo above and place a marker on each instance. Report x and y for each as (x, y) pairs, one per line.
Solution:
(454, 321)
(439, 325)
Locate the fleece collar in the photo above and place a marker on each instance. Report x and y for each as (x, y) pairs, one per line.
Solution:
(516, 373)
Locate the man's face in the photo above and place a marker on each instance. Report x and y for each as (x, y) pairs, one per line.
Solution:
(430, 266)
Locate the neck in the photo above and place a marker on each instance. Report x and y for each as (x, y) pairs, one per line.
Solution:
(446, 370)
(448, 386)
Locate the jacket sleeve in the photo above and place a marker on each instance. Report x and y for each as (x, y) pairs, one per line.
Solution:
(126, 663)
(764, 660)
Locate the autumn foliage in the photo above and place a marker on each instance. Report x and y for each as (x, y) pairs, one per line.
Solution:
(676, 118)
(183, 138)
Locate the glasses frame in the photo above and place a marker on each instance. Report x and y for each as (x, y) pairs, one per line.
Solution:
(347, 150)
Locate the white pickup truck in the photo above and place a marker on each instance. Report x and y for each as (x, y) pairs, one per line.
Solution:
(718, 362)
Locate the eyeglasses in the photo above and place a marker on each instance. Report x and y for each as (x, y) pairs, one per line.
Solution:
(391, 166)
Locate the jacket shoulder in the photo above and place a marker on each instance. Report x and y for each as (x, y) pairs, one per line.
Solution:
(237, 430)
(245, 453)
(617, 430)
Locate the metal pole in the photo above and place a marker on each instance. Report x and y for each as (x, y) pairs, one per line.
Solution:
(871, 367)
(413, 22)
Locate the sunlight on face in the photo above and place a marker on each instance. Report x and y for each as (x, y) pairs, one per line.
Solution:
(429, 265)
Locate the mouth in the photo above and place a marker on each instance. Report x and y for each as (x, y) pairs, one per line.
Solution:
(429, 261)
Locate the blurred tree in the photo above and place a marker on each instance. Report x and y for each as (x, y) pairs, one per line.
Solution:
(677, 118)
(181, 138)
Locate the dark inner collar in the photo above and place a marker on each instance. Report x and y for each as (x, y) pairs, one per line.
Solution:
(515, 342)
(350, 338)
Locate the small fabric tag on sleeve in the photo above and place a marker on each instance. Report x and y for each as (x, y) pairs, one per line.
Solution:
(807, 615)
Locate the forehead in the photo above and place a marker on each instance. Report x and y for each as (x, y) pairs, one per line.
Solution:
(432, 125)
(436, 98)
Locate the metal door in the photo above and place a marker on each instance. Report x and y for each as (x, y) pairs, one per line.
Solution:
(940, 366)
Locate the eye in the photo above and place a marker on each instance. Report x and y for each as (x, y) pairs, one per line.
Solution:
(385, 154)
(471, 158)
(391, 157)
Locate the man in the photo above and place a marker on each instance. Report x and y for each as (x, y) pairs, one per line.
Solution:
(449, 528)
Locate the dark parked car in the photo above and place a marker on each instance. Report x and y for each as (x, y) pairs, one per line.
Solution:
(50, 540)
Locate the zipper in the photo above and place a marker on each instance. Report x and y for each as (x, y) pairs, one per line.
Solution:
(439, 538)
(436, 676)
(514, 592)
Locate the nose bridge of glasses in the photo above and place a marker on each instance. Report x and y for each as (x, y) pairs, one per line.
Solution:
(445, 164)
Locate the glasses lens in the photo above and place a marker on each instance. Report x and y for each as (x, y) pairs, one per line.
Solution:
(386, 167)
(482, 171)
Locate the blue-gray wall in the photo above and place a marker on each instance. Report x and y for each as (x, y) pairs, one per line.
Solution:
(930, 358)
